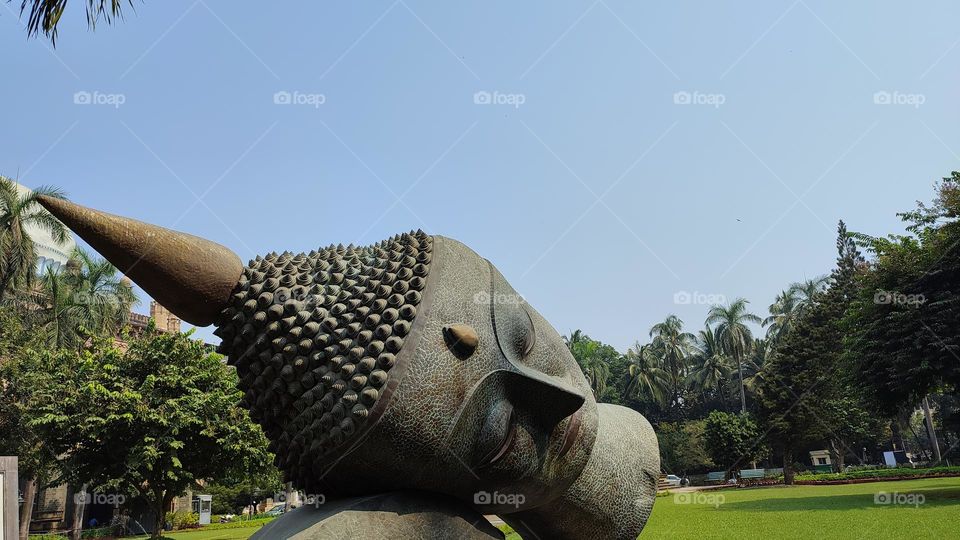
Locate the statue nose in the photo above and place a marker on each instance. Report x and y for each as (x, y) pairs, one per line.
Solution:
(553, 399)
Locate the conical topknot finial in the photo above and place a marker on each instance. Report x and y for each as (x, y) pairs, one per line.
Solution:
(188, 275)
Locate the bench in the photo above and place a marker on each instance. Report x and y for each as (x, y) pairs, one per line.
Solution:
(716, 476)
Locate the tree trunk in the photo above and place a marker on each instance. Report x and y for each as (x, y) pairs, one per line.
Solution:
(161, 505)
(837, 455)
(931, 431)
(288, 493)
(79, 505)
(788, 467)
(924, 453)
(743, 395)
(26, 510)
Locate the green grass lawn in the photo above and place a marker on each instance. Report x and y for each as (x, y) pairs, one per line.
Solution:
(221, 534)
(845, 511)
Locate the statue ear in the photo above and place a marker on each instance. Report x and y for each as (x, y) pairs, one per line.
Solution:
(462, 339)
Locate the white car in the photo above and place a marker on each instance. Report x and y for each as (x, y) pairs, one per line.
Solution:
(672, 480)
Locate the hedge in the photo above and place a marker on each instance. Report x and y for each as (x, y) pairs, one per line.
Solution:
(239, 524)
(877, 474)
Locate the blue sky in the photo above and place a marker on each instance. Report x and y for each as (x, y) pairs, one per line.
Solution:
(604, 155)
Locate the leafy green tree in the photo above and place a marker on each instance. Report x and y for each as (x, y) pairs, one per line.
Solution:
(30, 378)
(683, 447)
(155, 420)
(231, 496)
(903, 333)
(805, 388)
(732, 440)
(734, 335)
(598, 361)
(18, 212)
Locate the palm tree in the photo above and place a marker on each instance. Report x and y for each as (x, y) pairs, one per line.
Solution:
(789, 305)
(17, 251)
(575, 337)
(586, 352)
(710, 363)
(594, 367)
(756, 363)
(805, 291)
(672, 346)
(783, 312)
(647, 378)
(86, 296)
(734, 335)
(104, 296)
(44, 15)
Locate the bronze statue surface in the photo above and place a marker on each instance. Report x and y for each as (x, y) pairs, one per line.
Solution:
(408, 365)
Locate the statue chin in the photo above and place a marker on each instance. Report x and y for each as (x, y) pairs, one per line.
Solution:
(611, 499)
(613, 496)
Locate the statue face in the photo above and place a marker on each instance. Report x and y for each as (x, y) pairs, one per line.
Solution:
(507, 423)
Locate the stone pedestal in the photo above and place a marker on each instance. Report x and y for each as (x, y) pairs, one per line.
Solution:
(390, 515)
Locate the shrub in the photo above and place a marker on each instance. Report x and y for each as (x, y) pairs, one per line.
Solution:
(182, 520)
(239, 524)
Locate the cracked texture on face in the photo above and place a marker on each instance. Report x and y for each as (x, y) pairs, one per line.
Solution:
(315, 337)
(515, 416)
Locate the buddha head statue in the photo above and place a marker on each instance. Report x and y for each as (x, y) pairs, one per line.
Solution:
(410, 364)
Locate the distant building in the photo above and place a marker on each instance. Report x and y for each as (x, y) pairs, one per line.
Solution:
(165, 321)
(49, 253)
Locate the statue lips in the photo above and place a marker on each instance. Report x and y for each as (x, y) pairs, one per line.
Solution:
(571, 433)
(500, 429)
